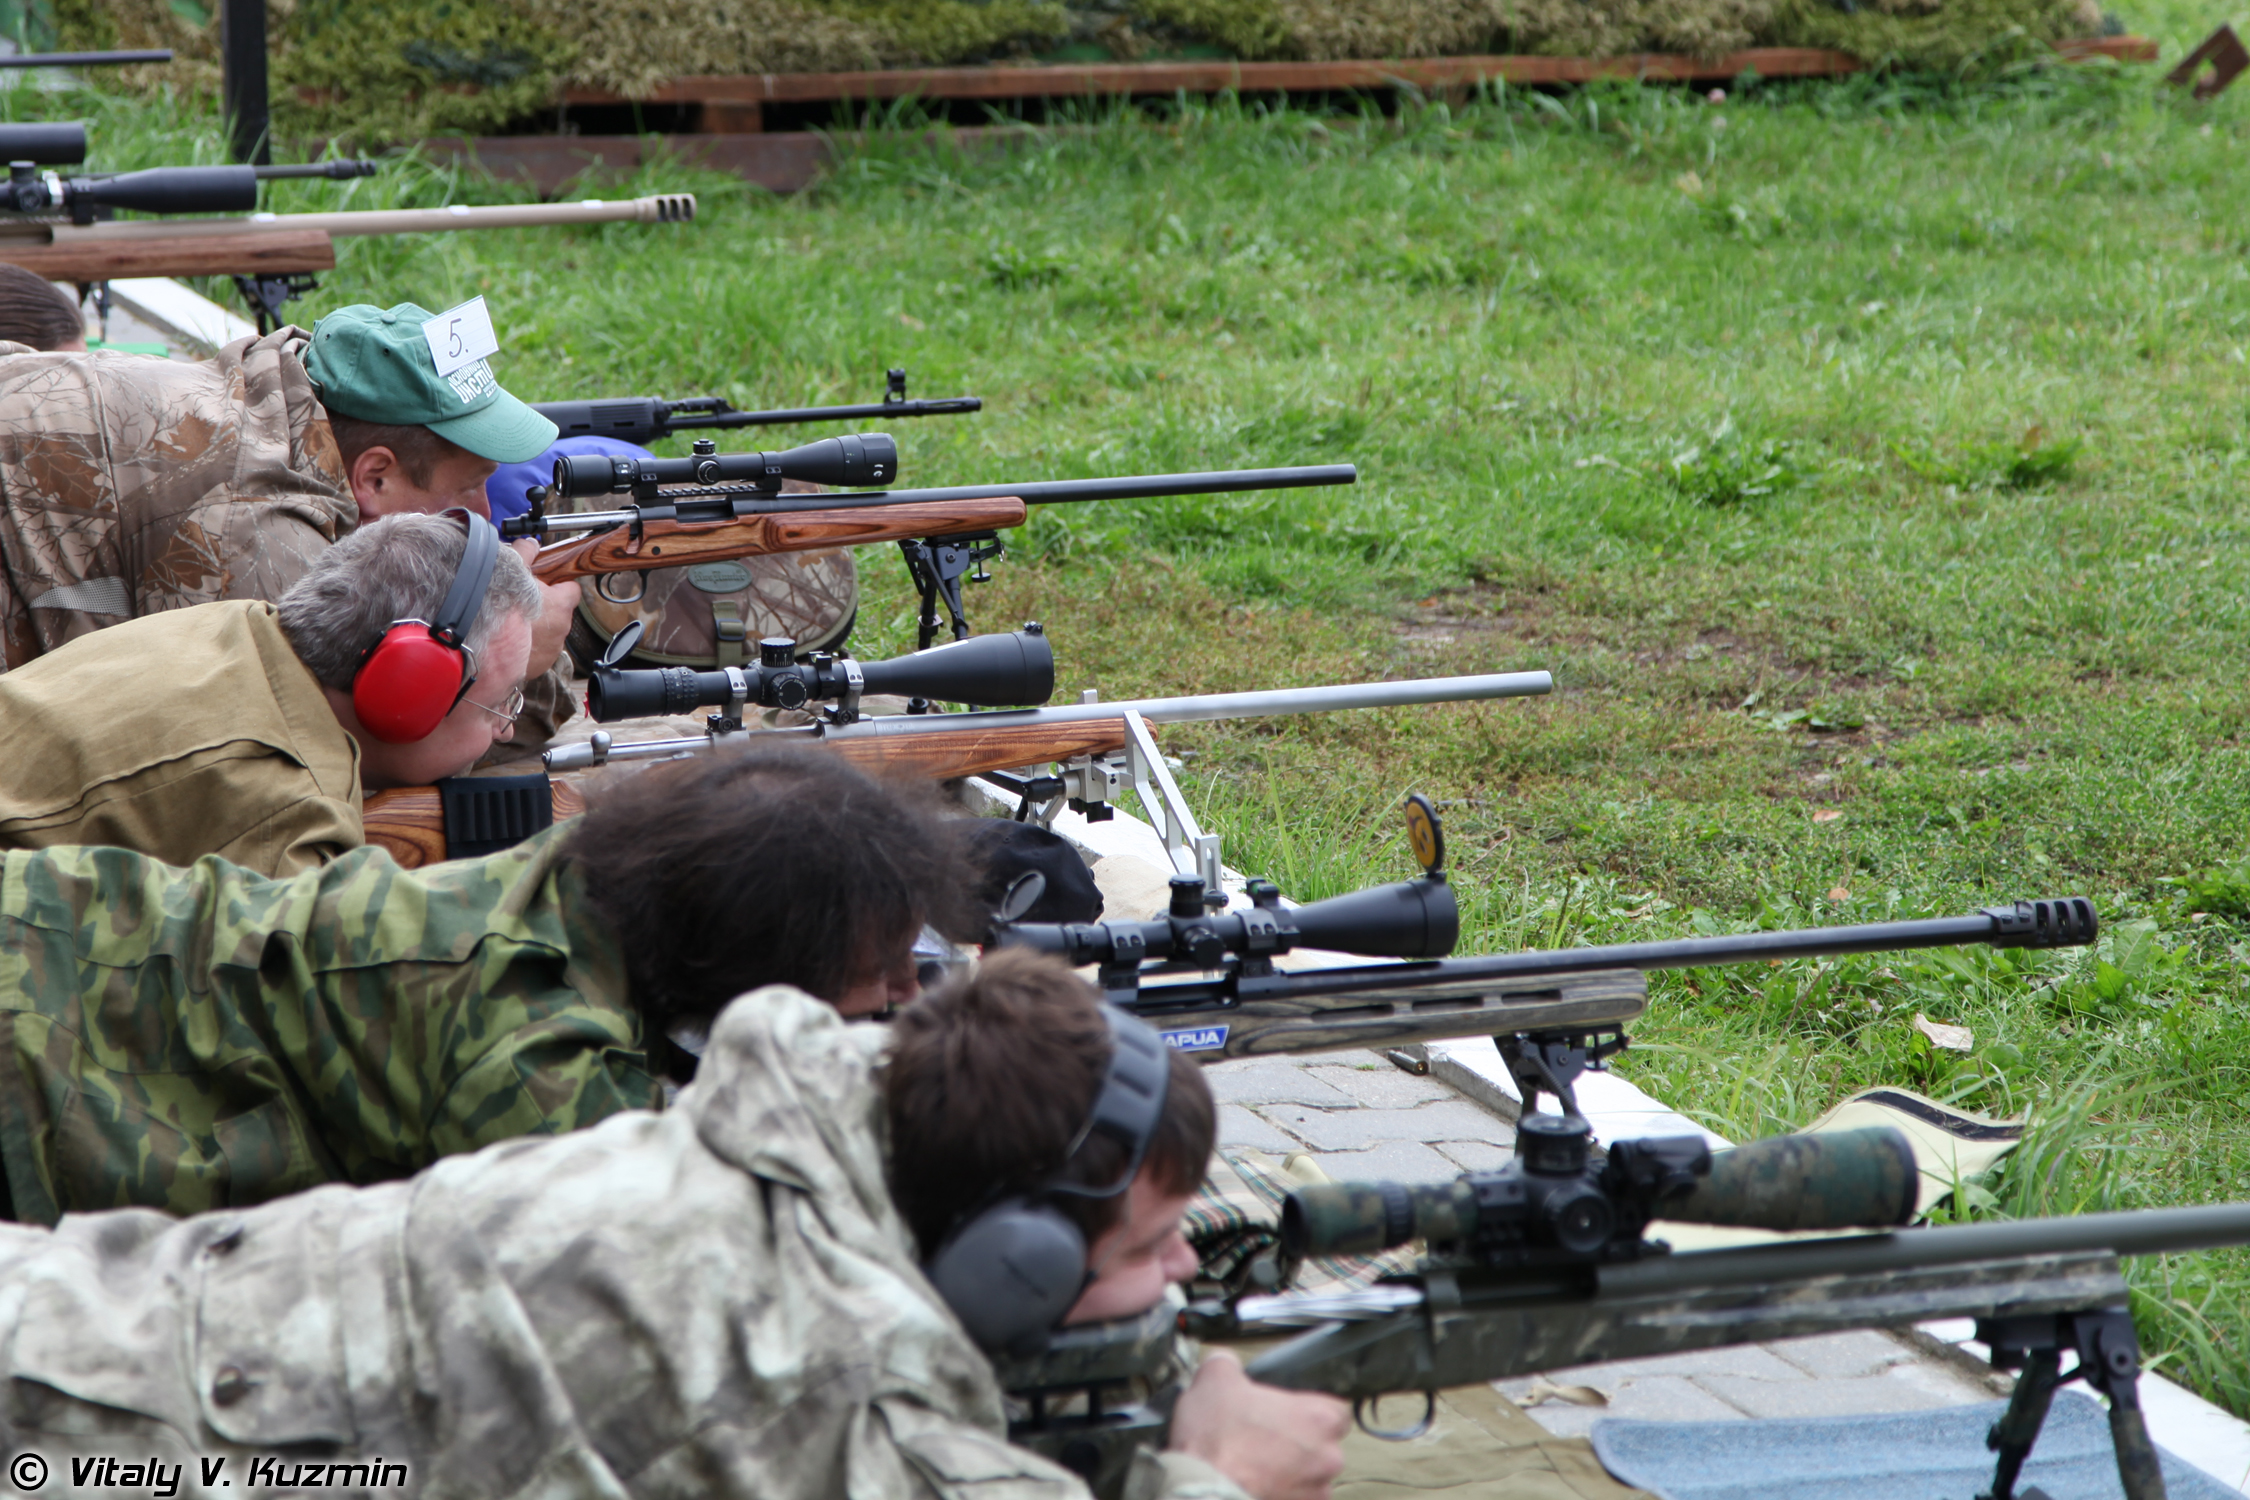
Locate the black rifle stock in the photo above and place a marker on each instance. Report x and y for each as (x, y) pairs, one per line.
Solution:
(1544, 1263)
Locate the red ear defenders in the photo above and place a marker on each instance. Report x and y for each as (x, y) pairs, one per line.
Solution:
(411, 678)
(1016, 1265)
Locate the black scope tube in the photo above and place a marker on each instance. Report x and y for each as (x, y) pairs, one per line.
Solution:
(53, 144)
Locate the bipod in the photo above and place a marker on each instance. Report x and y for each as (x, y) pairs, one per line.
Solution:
(267, 294)
(1552, 1062)
(2109, 1360)
(937, 569)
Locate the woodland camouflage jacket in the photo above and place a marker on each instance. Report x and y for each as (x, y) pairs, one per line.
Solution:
(130, 485)
(714, 1303)
(193, 1038)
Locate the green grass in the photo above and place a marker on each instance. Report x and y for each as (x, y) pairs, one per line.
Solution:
(1865, 460)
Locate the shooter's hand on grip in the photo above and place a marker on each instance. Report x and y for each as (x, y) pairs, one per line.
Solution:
(1278, 1445)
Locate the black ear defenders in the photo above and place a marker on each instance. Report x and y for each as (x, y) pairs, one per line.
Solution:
(411, 678)
(1012, 1269)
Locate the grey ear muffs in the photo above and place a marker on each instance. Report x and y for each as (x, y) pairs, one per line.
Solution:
(1011, 1270)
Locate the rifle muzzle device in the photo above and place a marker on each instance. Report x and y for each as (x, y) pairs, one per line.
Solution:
(1012, 670)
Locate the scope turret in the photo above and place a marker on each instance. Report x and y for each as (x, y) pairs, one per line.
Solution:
(856, 460)
(1554, 1203)
(1405, 919)
(998, 670)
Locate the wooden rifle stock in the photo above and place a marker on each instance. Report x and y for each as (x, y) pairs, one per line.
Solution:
(284, 252)
(675, 544)
(943, 755)
(409, 821)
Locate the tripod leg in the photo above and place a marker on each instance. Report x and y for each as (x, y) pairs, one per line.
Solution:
(2018, 1428)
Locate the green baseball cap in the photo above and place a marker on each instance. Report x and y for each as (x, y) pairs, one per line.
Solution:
(374, 364)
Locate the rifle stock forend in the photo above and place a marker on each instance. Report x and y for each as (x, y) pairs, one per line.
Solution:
(1016, 668)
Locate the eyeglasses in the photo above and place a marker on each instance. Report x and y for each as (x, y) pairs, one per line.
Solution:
(507, 713)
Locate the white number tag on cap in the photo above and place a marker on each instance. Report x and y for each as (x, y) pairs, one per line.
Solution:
(462, 336)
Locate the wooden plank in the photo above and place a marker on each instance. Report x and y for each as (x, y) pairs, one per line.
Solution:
(280, 252)
(1011, 82)
(783, 162)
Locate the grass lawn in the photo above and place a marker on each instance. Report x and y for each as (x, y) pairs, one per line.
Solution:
(1863, 459)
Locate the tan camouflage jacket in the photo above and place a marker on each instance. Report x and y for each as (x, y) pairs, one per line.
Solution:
(130, 485)
(193, 1038)
(715, 1302)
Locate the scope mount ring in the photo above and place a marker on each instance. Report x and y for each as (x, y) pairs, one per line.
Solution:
(1400, 1434)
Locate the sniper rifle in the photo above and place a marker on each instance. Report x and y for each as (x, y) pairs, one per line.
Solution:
(1222, 986)
(642, 420)
(466, 816)
(56, 227)
(711, 506)
(1103, 748)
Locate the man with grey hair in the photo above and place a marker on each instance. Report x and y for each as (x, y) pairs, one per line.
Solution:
(229, 728)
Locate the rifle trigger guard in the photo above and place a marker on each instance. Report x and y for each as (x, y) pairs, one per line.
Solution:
(1400, 1434)
(603, 582)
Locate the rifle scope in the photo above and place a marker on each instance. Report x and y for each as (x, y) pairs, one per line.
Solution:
(995, 669)
(1553, 1197)
(856, 460)
(53, 144)
(159, 190)
(1405, 919)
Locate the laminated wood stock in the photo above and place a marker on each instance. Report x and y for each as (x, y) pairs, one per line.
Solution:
(942, 755)
(279, 252)
(409, 821)
(670, 544)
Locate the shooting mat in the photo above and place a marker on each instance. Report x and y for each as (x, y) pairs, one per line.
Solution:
(1920, 1455)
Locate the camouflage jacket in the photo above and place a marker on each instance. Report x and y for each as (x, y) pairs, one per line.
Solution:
(192, 1038)
(130, 485)
(719, 1301)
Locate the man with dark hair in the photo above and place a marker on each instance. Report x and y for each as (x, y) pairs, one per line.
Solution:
(131, 486)
(717, 1301)
(37, 314)
(230, 728)
(193, 1038)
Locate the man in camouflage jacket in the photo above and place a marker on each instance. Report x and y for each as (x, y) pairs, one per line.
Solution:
(197, 1038)
(130, 485)
(716, 1301)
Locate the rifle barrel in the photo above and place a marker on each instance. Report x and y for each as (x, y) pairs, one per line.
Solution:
(2146, 1231)
(660, 208)
(1271, 704)
(2064, 922)
(943, 406)
(85, 59)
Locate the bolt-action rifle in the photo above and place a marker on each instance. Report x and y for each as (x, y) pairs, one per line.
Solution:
(466, 816)
(60, 229)
(1095, 750)
(643, 419)
(1546, 1262)
(712, 506)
